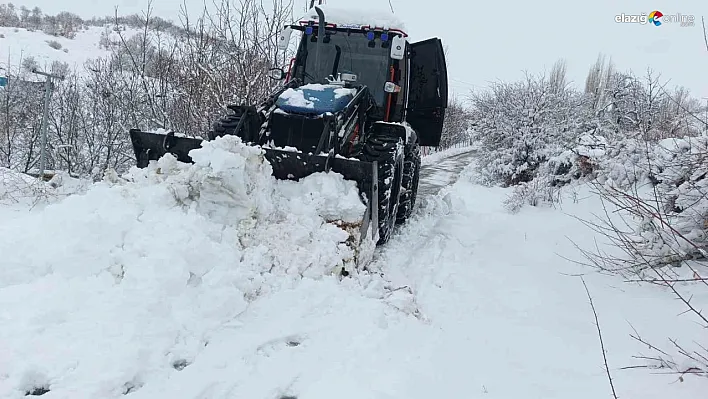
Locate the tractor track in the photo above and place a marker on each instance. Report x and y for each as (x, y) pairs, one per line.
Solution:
(435, 177)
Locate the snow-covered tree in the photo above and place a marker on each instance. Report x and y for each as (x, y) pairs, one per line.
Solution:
(522, 124)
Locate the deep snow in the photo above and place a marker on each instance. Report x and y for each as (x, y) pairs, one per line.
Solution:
(163, 287)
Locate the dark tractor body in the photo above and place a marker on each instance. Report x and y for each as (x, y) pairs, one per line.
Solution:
(358, 100)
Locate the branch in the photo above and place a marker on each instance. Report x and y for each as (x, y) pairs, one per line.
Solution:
(705, 33)
(684, 109)
(602, 344)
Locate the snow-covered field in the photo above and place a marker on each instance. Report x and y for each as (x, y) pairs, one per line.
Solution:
(215, 281)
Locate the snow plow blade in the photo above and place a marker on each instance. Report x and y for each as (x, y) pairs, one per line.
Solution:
(287, 165)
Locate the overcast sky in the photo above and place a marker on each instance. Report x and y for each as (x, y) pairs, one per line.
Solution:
(499, 40)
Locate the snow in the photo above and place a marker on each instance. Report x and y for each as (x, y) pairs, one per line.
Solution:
(149, 256)
(296, 98)
(19, 43)
(316, 86)
(592, 146)
(437, 156)
(213, 280)
(343, 92)
(496, 313)
(18, 190)
(377, 17)
(339, 91)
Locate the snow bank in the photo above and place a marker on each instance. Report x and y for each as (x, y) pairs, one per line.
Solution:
(104, 290)
(440, 155)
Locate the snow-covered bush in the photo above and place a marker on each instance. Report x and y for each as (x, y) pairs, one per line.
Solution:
(16, 187)
(534, 193)
(539, 129)
(521, 126)
(20, 188)
(54, 44)
(674, 223)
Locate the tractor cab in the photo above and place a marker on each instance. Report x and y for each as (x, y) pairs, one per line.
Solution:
(396, 73)
(356, 57)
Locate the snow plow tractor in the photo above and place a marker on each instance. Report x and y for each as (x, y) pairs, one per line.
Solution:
(358, 99)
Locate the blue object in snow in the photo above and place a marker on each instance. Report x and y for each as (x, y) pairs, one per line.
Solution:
(3, 81)
(316, 100)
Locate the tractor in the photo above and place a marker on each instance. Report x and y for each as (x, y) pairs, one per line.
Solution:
(358, 99)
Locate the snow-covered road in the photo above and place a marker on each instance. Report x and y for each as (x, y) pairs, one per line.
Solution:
(131, 294)
(434, 176)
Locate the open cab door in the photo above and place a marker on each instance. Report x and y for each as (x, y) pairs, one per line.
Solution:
(427, 91)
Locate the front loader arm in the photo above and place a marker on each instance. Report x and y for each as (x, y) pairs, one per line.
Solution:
(353, 115)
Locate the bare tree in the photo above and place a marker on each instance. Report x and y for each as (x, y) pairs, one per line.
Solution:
(602, 343)
(456, 125)
(558, 77)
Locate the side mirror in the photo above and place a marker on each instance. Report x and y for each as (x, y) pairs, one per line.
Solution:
(284, 38)
(398, 47)
(276, 73)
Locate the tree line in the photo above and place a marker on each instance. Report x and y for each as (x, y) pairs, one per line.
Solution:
(155, 79)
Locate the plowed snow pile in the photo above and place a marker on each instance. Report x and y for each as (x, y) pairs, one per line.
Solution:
(102, 289)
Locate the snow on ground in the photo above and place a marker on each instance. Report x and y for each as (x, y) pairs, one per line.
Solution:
(164, 287)
(17, 44)
(505, 306)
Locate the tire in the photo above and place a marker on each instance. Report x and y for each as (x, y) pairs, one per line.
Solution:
(227, 126)
(387, 151)
(409, 183)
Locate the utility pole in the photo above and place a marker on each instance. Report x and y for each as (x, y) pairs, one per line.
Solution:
(45, 117)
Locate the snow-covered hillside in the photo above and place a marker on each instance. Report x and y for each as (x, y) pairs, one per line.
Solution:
(215, 281)
(17, 44)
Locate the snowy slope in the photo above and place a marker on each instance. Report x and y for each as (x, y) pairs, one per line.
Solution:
(163, 288)
(19, 43)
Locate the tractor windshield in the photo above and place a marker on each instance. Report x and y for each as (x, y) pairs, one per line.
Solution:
(348, 53)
